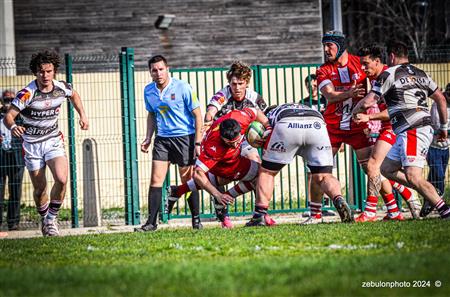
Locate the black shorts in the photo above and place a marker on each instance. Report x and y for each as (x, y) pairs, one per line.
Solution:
(177, 150)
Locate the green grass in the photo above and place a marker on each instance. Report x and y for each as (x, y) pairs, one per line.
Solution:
(287, 260)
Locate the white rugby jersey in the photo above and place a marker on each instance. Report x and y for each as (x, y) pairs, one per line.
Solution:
(224, 102)
(40, 110)
(405, 89)
(291, 110)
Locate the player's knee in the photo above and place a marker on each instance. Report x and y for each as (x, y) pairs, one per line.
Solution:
(414, 179)
(372, 166)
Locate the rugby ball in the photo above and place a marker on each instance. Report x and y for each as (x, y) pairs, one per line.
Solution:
(254, 134)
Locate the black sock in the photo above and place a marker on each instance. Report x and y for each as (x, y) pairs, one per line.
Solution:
(221, 211)
(260, 211)
(194, 204)
(154, 202)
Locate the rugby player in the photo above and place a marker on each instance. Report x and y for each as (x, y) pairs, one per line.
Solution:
(39, 105)
(405, 89)
(298, 130)
(371, 61)
(221, 162)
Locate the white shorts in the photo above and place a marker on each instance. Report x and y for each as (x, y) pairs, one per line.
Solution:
(247, 149)
(306, 137)
(36, 154)
(411, 147)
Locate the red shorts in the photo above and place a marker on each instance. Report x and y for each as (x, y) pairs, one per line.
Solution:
(387, 135)
(356, 140)
(236, 172)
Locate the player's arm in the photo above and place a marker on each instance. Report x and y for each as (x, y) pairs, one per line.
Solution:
(333, 96)
(441, 104)
(198, 129)
(151, 124)
(364, 118)
(370, 100)
(202, 180)
(76, 101)
(211, 112)
(9, 121)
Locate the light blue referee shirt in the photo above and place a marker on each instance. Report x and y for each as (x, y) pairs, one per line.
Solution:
(172, 107)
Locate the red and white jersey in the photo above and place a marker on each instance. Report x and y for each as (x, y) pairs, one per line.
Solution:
(218, 157)
(338, 116)
(40, 110)
(381, 106)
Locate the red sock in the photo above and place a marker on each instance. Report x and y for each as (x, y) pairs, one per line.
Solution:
(181, 190)
(391, 204)
(402, 190)
(240, 188)
(371, 206)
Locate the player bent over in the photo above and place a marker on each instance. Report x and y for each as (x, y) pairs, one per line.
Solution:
(220, 162)
(298, 130)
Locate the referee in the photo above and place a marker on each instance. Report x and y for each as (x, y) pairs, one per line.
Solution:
(174, 111)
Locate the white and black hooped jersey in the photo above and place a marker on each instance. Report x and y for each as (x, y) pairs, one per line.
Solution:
(224, 102)
(288, 110)
(405, 89)
(40, 110)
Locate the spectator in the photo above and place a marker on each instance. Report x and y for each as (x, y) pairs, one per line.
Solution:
(11, 166)
(437, 156)
(312, 99)
(174, 111)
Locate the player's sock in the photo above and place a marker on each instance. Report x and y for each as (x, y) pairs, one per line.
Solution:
(43, 210)
(53, 209)
(260, 210)
(154, 202)
(402, 190)
(194, 204)
(442, 208)
(315, 208)
(391, 205)
(371, 206)
(240, 188)
(182, 189)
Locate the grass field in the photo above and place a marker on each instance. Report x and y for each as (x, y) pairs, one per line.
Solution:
(287, 260)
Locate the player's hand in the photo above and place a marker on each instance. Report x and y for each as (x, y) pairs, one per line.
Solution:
(206, 126)
(361, 118)
(196, 151)
(1, 139)
(18, 131)
(84, 123)
(224, 199)
(442, 136)
(265, 136)
(357, 91)
(145, 144)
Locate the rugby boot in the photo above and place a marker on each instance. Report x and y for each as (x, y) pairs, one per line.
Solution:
(343, 210)
(147, 227)
(398, 217)
(316, 219)
(362, 218)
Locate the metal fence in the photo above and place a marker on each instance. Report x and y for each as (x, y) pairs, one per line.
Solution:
(112, 94)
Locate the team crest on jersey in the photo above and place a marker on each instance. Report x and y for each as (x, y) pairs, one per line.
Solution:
(355, 76)
(278, 147)
(172, 96)
(24, 95)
